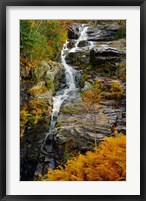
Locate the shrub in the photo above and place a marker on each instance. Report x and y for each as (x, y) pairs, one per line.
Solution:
(116, 90)
(121, 72)
(92, 95)
(38, 109)
(106, 163)
(24, 118)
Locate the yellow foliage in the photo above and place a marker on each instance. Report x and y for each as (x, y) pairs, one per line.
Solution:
(92, 95)
(116, 90)
(38, 90)
(121, 72)
(38, 107)
(31, 64)
(24, 117)
(106, 163)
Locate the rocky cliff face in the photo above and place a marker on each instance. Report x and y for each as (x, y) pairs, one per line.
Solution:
(38, 85)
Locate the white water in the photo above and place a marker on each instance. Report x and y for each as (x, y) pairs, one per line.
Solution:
(71, 89)
(82, 37)
(70, 81)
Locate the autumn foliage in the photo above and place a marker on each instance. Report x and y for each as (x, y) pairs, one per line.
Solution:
(106, 163)
(92, 95)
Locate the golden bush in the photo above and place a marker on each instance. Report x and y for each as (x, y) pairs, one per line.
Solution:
(116, 90)
(106, 163)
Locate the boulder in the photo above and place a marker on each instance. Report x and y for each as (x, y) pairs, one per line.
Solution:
(78, 58)
(103, 32)
(40, 71)
(113, 27)
(51, 71)
(98, 34)
(83, 43)
(71, 44)
(103, 54)
(74, 31)
(87, 85)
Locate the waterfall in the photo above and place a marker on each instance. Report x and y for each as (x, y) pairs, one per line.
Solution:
(82, 37)
(69, 92)
(71, 88)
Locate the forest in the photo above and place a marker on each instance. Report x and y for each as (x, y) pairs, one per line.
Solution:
(72, 100)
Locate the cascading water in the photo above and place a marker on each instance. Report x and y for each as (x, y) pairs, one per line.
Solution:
(82, 37)
(69, 92)
(71, 88)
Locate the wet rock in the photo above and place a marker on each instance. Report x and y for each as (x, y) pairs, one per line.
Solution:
(40, 141)
(71, 44)
(113, 27)
(103, 55)
(71, 57)
(103, 32)
(74, 31)
(124, 114)
(48, 148)
(121, 122)
(27, 169)
(30, 150)
(78, 58)
(87, 85)
(90, 30)
(61, 139)
(121, 129)
(100, 35)
(38, 170)
(83, 43)
(47, 159)
(51, 164)
(51, 71)
(85, 149)
(78, 78)
(24, 95)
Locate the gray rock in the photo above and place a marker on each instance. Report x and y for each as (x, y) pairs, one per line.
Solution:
(78, 58)
(83, 43)
(61, 139)
(113, 27)
(87, 85)
(74, 31)
(121, 129)
(48, 148)
(102, 55)
(71, 44)
(38, 170)
(40, 71)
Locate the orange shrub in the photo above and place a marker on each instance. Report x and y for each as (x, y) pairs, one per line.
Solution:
(106, 163)
(92, 95)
